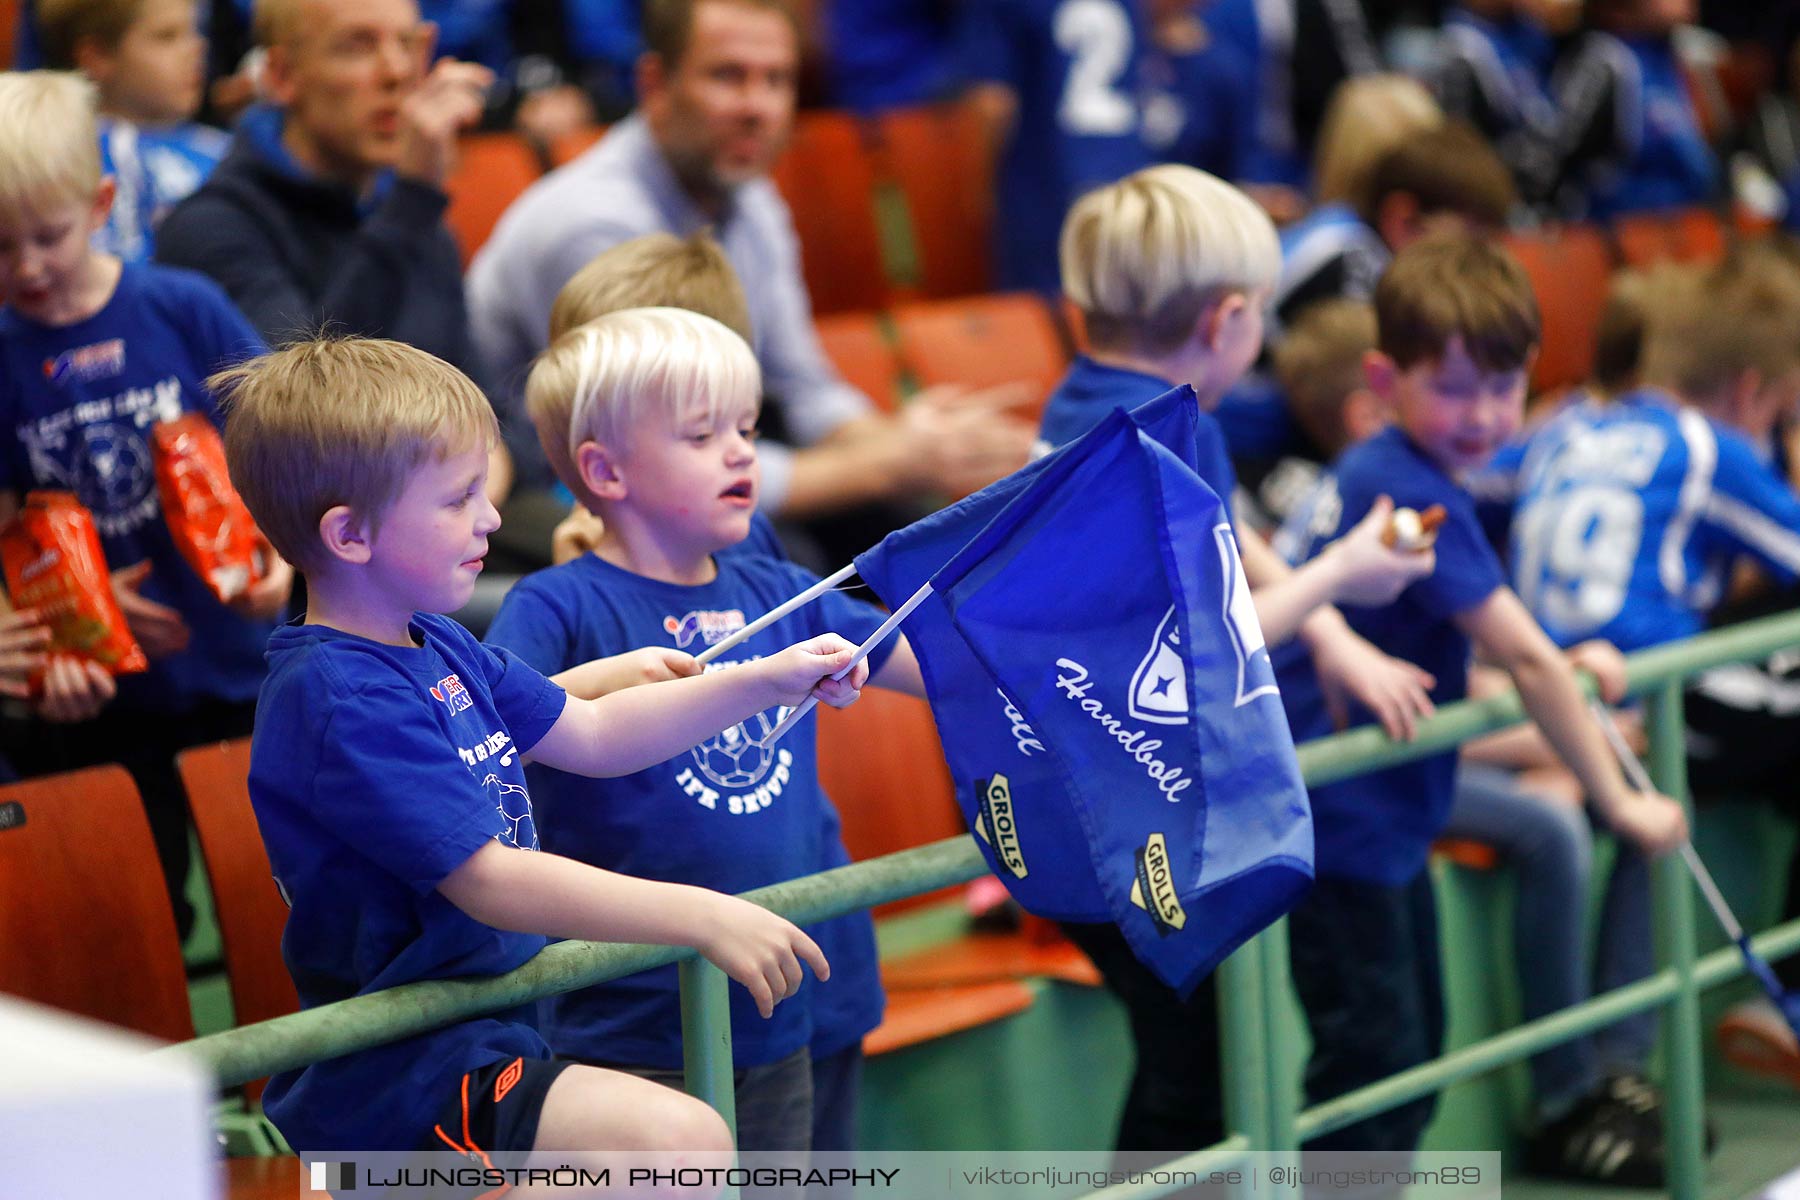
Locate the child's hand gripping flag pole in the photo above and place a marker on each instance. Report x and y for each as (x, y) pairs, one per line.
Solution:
(873, 640)
(1788, 1004)
(1103, 693)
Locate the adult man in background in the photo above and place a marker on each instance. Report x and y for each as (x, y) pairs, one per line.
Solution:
(716, 89)
(328, 210)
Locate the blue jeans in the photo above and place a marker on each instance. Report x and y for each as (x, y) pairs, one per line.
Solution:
(1549, 845)
(837, 1093)
(1366, 965)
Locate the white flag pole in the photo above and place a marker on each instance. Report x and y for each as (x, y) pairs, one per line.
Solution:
(775, 614)
(875, 639)
(1640, 779)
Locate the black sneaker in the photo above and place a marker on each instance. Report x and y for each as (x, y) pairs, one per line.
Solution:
(1644, 1099)
(1601, 1140)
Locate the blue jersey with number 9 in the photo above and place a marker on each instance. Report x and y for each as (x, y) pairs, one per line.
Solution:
(1629, 514)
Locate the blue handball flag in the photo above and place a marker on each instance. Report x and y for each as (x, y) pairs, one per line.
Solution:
(1104, 695)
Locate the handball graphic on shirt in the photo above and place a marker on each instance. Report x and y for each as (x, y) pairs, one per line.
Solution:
(727, 814)
(80, 408)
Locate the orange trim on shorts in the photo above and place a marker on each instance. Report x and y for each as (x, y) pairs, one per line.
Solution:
(514, 1072)
(469, 1138)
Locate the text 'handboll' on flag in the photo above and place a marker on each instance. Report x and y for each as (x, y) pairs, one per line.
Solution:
(1105, 699)
(964, 697)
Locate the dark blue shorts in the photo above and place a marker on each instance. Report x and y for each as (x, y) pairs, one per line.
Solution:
(495, 1108)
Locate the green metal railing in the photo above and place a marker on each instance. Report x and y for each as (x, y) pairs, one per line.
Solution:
(1259, 1066)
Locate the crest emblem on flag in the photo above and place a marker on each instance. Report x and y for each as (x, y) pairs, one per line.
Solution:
(1256, 675)
(1159, 690)
(1154, 796)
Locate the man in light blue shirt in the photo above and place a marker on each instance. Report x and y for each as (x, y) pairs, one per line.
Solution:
(717, 90)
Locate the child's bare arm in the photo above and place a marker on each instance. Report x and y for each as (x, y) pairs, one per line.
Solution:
(639, 727)
(1397, 692)
(533, 892)
(603, 676)
(1547, 686)
(900, 673)
(1524, 746)
(1358, 568)
(1517, 748)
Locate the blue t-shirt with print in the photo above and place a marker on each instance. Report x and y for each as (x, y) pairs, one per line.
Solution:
(1630, 514)
(1378, 827)
(375, 772)
(80, 403)
(846, 1006)
(1077, 70)
(728, 815)
(1092, 389)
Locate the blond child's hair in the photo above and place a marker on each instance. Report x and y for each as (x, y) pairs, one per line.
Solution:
(1740, 315)
(63, 25)
(341, 421)
(1142, 258)
(1319, 364)
(49, 146)
(658, 270)
(626, 368)
(1456, 286)
(1368, 117)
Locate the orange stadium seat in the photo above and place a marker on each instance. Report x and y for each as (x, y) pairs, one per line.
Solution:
(882, 765)
(85, 922)
(573, 145)
(858, 347)
(934, 156)
(984, 341)
(491, 170)
(827, 177)
(1569, 270)
(1691, 235)
(250, 910)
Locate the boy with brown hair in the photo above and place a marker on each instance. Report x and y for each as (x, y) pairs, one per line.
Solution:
(147, 61)
(1457, 329)
(388, 772)
(1443, 178)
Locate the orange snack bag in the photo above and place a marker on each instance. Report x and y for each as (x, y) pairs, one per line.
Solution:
(53, 563)
(207, 519)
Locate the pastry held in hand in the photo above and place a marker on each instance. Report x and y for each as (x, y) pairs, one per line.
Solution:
(1413, 531)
